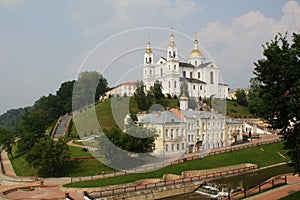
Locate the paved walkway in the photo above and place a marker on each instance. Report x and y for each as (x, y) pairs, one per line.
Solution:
(8, 168)
(277, 193)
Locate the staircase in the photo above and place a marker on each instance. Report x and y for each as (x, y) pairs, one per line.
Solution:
(61, 126)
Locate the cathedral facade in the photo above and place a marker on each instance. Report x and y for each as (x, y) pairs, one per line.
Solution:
(200, 77)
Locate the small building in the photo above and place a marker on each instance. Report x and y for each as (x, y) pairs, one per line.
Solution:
(123, 89)
(186, 131)
(171, 131)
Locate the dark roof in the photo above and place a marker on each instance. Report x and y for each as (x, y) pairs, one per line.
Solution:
(192, 80)
(182, 64)
(164, 58)
(204, 64)
(223, 84)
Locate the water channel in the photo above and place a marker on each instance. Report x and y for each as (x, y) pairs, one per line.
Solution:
(247, 180)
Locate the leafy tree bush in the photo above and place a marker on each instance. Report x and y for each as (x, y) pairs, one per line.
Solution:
(241, 97)
(46, 154)
(278, 83)
(7, 140)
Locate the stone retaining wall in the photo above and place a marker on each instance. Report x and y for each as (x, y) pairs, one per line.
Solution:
(166, 177)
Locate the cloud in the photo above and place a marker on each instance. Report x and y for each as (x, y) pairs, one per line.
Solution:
(235, 46)
(125, 14)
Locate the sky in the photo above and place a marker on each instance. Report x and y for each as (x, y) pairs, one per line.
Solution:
(45, 43)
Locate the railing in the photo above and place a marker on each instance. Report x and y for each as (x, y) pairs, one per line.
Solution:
(122, 190)
(264, 186)
(175, 162)
(55, 127)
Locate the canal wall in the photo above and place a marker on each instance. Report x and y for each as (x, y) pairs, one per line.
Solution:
(169, 185)
(157, 193)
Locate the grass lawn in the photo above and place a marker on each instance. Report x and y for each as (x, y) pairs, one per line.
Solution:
(110, 113)
(76, 168)
(72, 168)
(77, 152)
(294, 196)
(263, 156)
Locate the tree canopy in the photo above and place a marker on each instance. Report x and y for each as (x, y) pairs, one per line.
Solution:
(241, 97)
(278, 86)
(10, 118)
(46, 154)
(89, 86)
(7, 139)
(140, 96)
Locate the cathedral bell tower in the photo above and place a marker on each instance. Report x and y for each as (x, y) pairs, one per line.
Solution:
(172, 49)
(148, 55)
(171, 83)
(196, 57)
(149, 68)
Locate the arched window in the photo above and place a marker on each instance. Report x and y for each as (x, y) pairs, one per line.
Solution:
(161, 72)
(174, 54)
(199, 75)
(212, 77)
(150, 60)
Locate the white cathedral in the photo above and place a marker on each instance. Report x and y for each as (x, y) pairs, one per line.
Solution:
(200, 76)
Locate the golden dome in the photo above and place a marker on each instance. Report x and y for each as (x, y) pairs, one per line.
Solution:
(172, 44)
(148, 50)
(195, 53)
(183, 98)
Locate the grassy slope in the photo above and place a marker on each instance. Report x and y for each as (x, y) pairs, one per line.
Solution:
(72, 168)
(237, 111)
(110, 113)
(263, 156)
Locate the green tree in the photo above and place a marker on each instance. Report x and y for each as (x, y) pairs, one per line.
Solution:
(7, 140)
(255, 101)
(140, 96)
(278, 75)
(136, 139)
(155, 93)
(158, 90)
(32, 125)
(10, 118)
(50, 104)
(64, 94)
(88, 88)
(46, 154)
(241, 97)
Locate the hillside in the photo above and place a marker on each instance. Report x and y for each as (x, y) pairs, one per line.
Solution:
(235, 110)
(111, 113)
(10, 119)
